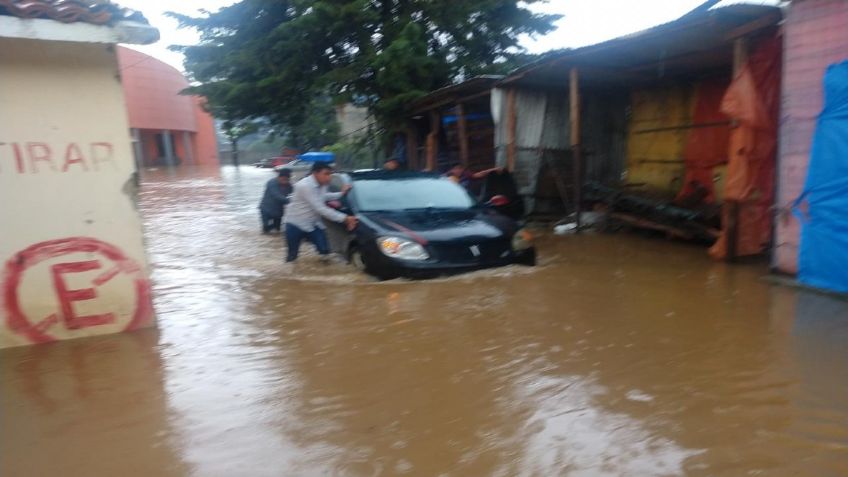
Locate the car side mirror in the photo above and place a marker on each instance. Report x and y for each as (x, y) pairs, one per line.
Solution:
(498, 201)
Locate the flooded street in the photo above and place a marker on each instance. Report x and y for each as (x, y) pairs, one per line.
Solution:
(619, 355)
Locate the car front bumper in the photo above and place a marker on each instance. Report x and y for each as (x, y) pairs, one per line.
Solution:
(385, 267)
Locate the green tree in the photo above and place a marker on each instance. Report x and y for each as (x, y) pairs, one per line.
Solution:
(271, 58)
(235, 129)
(318, 128)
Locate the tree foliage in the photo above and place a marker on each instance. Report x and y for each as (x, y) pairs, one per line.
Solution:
(318, 128)
(271, 58)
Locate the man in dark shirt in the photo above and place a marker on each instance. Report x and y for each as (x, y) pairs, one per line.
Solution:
(274, 201)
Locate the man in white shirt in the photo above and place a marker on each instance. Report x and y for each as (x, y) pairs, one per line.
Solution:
(306, 208)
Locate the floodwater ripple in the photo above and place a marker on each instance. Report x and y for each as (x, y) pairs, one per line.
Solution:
(619, 355)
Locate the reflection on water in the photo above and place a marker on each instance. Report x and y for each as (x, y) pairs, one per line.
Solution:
(620, 355)
(87, 407)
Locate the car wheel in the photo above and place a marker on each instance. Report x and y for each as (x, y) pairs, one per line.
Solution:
(528, 258)
(360, 263)
(357, 260)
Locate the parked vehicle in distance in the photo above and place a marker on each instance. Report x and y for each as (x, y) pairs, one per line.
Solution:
(419, 225)
(302, 164)
(272, 162)
(298, 167)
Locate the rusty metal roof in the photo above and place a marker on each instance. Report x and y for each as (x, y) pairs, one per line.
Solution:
(95, 12)
(699, 41)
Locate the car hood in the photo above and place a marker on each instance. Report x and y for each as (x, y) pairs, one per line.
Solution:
(440, 225)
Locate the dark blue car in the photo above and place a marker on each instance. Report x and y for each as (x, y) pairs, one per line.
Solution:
(418, 224)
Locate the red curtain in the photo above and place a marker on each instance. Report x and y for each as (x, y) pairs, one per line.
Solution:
(706, 145)
(753, 100)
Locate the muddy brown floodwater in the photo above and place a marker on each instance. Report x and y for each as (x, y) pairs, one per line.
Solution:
(619, 355)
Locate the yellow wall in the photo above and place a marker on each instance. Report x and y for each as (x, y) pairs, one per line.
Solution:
(656, 158)
(70, 236)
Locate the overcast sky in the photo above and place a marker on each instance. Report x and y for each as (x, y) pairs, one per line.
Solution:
(585, 21)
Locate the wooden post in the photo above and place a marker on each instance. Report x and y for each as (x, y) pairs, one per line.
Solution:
(412, 147)
(576, 156)
(732, 206)
(511, 122)
(732, 227)
(740, 54)
(463, 134)
(433, 141)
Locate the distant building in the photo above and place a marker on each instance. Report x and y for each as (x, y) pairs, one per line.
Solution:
(168, 128)
(353, 121)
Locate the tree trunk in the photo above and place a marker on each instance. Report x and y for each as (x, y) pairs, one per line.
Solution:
(235, 151)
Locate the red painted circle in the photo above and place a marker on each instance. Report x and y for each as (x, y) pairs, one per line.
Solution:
(13, 272)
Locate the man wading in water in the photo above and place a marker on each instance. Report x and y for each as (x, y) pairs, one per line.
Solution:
(308, 205)
(274, 201)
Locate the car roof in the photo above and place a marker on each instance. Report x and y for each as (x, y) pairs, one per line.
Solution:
(382, 174)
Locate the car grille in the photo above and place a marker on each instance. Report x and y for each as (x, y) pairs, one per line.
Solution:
(462, 252)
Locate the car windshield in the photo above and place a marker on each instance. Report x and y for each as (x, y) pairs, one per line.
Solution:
(413, 193)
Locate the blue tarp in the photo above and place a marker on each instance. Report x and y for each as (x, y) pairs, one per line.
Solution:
(823, 258)
(318, 157)
(468, 117)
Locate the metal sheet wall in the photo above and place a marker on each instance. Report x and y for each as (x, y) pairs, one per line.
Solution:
(655, 143)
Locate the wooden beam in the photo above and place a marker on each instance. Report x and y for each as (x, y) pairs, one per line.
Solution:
(511, 122)
(740, 57)
(481, 94)
(412, 147)
(576, 156)
(754, 26)
(574, 105)
(618, 73)
(433, 141)
(429, 107)
(732, 228)
(443, 103)
(429, 163)
(463, 134)
(682, 127)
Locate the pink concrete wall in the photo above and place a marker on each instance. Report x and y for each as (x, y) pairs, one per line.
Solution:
(205, 142)
(816, 36)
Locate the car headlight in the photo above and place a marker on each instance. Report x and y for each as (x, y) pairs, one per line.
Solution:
(401, 248)
(522, 240)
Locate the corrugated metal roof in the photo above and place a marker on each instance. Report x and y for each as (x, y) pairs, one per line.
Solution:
(95, 12)
(701, 40)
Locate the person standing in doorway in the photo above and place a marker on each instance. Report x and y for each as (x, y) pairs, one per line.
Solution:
(391, 164)
(308, 206)
(274, 201)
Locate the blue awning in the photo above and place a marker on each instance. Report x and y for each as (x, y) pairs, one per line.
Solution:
(318, 157)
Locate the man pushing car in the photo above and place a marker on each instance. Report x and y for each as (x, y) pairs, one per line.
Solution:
(306, 208)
